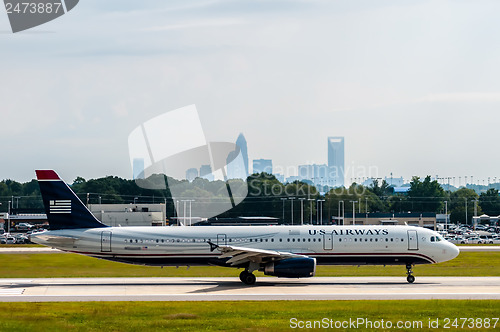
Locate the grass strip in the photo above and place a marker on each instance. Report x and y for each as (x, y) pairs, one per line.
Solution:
(73, 265)
(247, 316)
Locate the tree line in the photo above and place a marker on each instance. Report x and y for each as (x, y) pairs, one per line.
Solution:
(266, 196)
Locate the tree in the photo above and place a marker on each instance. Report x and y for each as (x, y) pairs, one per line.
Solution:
(425, 196)
(458, 200)
(490, 202)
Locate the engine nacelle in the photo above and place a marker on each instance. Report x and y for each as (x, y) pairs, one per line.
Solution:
(292, 268)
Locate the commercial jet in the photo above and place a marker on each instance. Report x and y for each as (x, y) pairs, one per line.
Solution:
(281, 251)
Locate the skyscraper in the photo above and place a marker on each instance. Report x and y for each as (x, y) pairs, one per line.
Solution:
(206, 172)
(263, 165)
(336, 163)
(138, 168)
(237, 160)
(242, 143)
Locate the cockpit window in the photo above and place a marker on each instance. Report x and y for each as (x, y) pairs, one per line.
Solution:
(433, 239)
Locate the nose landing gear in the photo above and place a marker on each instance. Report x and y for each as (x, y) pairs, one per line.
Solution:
(410, 278)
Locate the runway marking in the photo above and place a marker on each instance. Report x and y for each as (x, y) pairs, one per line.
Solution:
(11, 291)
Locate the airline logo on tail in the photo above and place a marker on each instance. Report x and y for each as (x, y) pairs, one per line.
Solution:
(26, 14)
(60, 206)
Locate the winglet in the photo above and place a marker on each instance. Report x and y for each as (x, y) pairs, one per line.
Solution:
(213, 246)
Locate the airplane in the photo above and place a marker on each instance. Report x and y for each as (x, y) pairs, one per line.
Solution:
(277, 250)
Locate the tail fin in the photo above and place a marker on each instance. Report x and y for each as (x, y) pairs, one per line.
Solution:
(64, 209)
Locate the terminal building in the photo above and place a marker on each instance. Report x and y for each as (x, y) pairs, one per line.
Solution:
(130, 214)
(424, 219)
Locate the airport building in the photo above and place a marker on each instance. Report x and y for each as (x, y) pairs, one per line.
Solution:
(424, 219)
(130, 214)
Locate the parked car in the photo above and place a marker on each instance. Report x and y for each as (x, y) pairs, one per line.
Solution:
(11, 240)
(475, 240)
(23, 226)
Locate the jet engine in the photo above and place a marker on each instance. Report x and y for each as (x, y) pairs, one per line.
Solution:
(292, 268)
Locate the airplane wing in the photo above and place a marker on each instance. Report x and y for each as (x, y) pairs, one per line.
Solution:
(241, 255)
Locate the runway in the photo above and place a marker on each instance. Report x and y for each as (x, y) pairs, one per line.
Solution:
(231, 289)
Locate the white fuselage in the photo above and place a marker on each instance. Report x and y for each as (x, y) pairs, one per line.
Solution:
(343, 245)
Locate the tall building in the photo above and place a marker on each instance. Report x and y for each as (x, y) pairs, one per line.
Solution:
(336, 163)
(317, 174)
(138, 168)
(191, 174)
(206, 172)
(241, 142)
(263, 165)
(237, 160)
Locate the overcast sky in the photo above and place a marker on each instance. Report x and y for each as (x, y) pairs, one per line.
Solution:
(412, 85)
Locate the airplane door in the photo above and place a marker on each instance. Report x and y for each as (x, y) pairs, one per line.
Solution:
(105, 241)
(221, 239)
(412, 240)
(328, 241)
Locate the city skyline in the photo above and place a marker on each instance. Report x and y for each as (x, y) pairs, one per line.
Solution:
(412, 93)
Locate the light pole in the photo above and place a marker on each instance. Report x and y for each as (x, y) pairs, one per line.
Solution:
(446, 213)
(354, 212)
(341, 215)
(466, 210)
(283, 199)
(320, 201)
(302, 210)
(177, 212)
(190, 219)
(184, 214)
(135, 199)
(8, 219)
(291, 198)
(311, 200)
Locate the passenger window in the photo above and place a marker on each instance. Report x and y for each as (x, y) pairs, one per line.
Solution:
(340, 240)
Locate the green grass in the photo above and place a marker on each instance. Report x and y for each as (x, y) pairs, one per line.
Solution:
(229, 316)
(72, 265)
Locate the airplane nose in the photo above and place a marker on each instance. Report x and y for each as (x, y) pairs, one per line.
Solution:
(453, 251)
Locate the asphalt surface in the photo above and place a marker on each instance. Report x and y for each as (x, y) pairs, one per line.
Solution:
(266, 288)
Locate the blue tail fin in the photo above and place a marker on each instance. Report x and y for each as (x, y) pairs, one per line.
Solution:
(64, 209)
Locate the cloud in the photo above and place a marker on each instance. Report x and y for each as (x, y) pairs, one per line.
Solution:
(480, 97)
(223, 22)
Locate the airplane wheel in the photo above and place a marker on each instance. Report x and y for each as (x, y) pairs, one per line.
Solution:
(410, 279)
(247, 278)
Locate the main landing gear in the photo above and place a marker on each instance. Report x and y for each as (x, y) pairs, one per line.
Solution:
(410, 278)
(247, 278)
